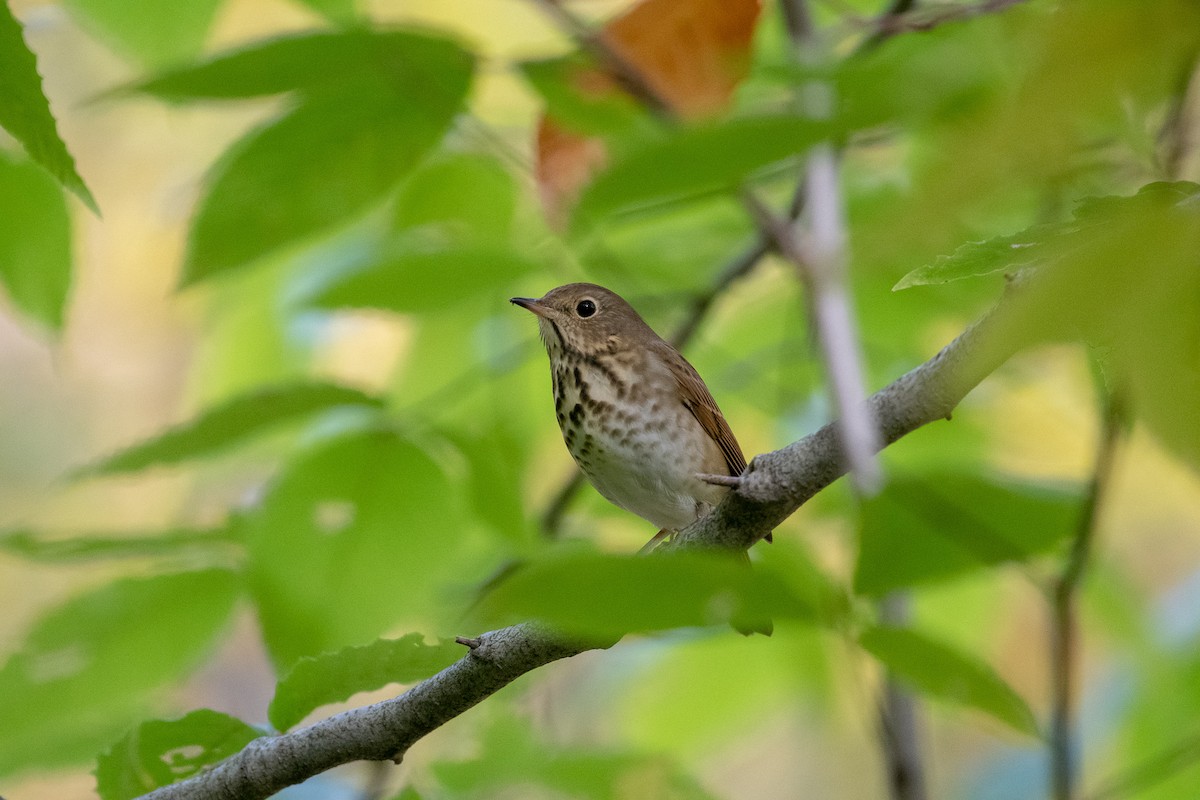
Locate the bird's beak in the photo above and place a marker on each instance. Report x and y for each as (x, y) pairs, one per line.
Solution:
(529, 304)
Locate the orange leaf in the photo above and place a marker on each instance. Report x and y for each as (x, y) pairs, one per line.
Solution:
(691, 53)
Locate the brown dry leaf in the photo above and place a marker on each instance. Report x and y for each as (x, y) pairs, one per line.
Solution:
(692, 53)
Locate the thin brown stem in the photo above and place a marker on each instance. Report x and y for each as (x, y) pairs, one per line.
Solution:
(898, 718)
(1064, 625)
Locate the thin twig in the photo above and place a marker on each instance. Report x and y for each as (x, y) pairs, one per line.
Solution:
(823, 267)
(913, 21)
(1063, 631)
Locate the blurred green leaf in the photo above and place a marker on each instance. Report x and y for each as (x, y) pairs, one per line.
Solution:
(161, 752)
(87, 669)
(497, 460)
(938, 670)
(513, 757)
(321, 164)
(35, 239)
(594, 594)
(598, 108)
(334, 677)
(907, 79)
(351, 539)
(428, 71)
(422, 269)
(150, 31)
(231, 423)
(939, 524)
(468, 190)
(25, 113)
(37, 546)
(695, 160)
(342, 12)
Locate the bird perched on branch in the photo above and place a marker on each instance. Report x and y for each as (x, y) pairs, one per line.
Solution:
(635, 415)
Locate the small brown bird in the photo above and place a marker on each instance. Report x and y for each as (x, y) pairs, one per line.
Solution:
(635, 415)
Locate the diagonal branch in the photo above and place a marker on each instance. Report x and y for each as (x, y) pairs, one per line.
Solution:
(773, 487)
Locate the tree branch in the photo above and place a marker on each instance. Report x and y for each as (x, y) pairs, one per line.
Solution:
(774, 486)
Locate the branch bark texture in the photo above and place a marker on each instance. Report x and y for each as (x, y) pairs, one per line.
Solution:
(774, 486)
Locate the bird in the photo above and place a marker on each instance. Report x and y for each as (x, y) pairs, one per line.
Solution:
(635, 415)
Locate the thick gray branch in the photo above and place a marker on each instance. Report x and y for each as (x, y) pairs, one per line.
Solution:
(775, 485)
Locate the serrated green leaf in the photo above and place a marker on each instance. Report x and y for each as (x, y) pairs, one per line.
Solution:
(351, 540)
(321, 164)
(87, 669)
(424, 69)
(595, 594)
(941, 671)
(422, 269)
(695, 160)
(1007, 254)
(161, 752)
(37, 546)
(25, 111)
(35, 240)
(150, 31)
(231, 423)
(333, 677)
(940, 524)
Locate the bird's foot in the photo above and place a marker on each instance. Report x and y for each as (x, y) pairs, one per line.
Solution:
(658, 539)
(732, 481)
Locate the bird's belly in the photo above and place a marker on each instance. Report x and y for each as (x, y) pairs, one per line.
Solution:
(645, 471)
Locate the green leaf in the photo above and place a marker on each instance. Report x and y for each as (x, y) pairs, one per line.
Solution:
(161, 752)
(472, 192)
(604, 111)
(429, 71)
(150, 31)
(594, 594)
(35, 240)
(321, 164)
(1006, 254)
(513, 759)
(25, 111)
(938, 670)
(341, 12)
(36, 546)
(940, 524)
(88, 668)
(422, 269)
(695, 160)
(354, 538)
(334, 677)
(231, 423)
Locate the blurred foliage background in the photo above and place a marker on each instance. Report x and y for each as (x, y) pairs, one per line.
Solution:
(270, 402)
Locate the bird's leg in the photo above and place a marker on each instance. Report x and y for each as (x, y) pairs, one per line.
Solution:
(658, 539)
(732, 481)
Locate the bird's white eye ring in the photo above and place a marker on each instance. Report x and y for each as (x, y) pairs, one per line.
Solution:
(586, 307)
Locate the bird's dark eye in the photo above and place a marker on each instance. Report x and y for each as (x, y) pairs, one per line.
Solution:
(585, 308)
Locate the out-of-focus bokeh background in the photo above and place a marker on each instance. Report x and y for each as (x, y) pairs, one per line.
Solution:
(196, 576)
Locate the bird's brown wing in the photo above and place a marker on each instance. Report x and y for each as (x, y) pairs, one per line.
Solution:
(699, 401)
